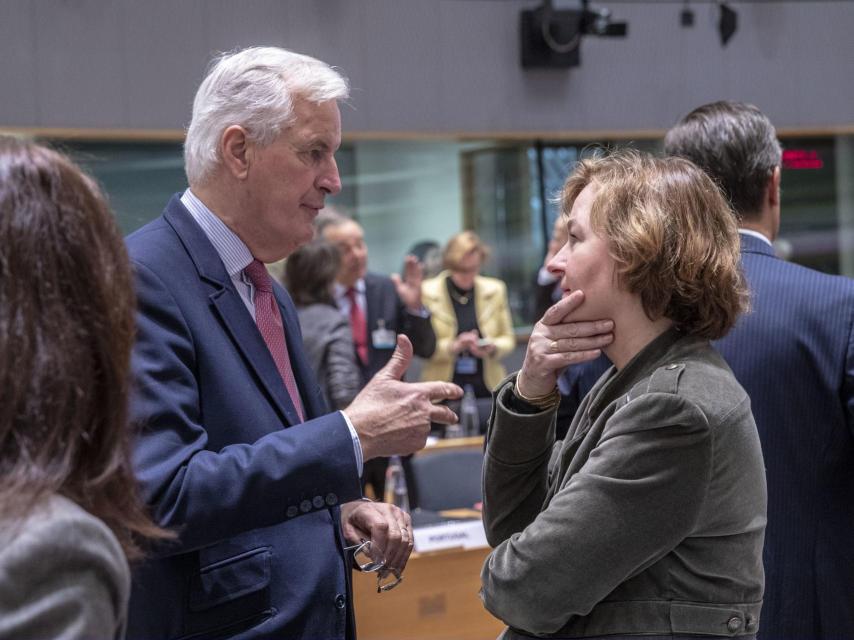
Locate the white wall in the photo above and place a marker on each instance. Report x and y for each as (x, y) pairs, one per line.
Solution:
(406, 192)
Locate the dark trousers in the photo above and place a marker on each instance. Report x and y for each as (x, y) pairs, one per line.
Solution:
(373, 476)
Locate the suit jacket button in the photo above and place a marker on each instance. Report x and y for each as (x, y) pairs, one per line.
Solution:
(331, 499)
(305, 506)
(734, 624)
(340, 601)
(317, 502)
(292, 511)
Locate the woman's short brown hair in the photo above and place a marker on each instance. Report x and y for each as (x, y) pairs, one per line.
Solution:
(459, 246)
(66, 331)
(671, 234)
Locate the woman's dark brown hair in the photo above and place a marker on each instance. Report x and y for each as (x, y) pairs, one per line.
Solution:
(309, 272)
(66, 332)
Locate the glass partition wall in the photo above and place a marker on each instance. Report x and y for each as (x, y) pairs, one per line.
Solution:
(405, 191)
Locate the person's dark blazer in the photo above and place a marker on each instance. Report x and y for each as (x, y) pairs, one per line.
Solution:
(384, 304)
(221, 458)
(794, 355)
(545, 295)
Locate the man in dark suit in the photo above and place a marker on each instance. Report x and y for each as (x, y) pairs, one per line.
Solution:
(378, 308)
(234, 451)
(794, 354)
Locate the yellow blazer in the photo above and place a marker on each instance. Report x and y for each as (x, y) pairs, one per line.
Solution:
(493, 319)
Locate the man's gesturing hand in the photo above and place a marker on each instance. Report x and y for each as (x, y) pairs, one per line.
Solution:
(409, 287)
(393, 417)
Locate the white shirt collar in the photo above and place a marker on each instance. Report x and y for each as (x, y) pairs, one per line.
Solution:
(756, 234)
(340, 290)
(234, 254)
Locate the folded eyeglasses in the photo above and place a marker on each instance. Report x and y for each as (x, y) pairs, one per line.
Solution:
(387, 578)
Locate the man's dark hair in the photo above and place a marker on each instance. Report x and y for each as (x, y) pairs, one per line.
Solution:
(735, 144)
(310, 271)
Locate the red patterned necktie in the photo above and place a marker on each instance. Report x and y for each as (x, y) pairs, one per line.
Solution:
(358, 326)
(269, 321)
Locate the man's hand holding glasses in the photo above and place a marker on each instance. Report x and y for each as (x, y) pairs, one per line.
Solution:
(381, 539)
(387, 578)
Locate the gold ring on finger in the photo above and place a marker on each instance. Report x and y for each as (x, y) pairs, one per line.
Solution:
(553, 346)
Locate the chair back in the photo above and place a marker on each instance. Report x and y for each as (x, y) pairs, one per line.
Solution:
(448, 479)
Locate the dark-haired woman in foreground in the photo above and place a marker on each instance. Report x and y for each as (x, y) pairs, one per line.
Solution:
(69, 512)
(648, 519)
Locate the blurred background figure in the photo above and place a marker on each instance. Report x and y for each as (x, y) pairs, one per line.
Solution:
(377, 308)
(471, 319)
(548, 289)
(310, 276)
(68, 498)
(429, 256)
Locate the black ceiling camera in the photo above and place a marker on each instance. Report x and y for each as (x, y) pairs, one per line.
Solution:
(551, 37)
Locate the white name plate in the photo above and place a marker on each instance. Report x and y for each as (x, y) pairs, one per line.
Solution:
(467, 534)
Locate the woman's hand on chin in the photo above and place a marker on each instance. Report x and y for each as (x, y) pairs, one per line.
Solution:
(558, 341)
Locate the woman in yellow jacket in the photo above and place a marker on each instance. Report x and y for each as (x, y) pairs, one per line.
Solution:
(471, 319)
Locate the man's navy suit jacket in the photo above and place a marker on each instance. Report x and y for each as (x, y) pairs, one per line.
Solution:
(794, 355)
(222, 460)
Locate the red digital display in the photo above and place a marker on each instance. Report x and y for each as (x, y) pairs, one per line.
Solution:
(802, 159)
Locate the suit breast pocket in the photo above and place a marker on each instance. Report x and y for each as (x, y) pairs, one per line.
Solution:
(230, 595)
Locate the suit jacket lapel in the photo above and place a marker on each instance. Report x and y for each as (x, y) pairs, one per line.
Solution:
(228, 306)
(443, 308)
(483, 302)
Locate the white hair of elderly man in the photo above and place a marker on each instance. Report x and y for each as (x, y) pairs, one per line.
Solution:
(254, 88)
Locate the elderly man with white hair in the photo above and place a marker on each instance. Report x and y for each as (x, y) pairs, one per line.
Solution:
(235, 450)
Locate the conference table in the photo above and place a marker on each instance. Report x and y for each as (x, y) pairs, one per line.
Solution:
(438, 598)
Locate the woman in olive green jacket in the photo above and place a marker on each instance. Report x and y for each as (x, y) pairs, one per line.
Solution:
(648, 519)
